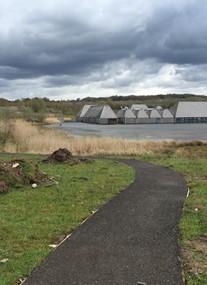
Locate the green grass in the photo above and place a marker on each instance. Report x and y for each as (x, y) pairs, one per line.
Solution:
(193, 225)
(31, 219)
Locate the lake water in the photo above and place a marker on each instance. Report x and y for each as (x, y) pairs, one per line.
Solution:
(138, 132)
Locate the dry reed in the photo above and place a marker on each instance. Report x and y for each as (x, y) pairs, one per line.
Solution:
(4, 127)
(29, 138)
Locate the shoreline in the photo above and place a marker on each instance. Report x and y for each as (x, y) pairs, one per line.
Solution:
(141, 132)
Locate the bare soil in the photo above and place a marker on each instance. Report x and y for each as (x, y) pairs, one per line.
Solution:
(63, 155)
(194, 254)
(19, 173)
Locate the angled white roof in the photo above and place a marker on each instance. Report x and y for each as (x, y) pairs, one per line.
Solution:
(100, 112)
(165, 113)
(155, 114)
(138, 106)
(94, 112)
(107, 112)
(159, 108)
(142, 114)
(190, 109)
(83, 111)
(126, 113)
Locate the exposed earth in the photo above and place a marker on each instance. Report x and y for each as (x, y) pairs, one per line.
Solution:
(64, 155)
(21, 172)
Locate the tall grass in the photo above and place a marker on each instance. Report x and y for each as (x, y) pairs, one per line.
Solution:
(3, 127)
(29, 138)
(5, 131)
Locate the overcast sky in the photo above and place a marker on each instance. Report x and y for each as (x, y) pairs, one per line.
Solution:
(68, 49)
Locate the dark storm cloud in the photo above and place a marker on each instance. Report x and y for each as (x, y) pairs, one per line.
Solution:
(176, 36)
(193, 74)
(71, 46)
(53, 46)
(49, 44)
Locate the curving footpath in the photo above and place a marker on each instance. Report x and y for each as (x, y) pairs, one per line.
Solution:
(131, 240)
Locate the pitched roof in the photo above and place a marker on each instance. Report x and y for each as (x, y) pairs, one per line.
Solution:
(138, 106)
(155, 114)
(94, 111)
(100, 112)
(126, 113)
(159, 107)
(83, 111)
(142, 114)
(165, 113)
(189, 109)
(107, 112)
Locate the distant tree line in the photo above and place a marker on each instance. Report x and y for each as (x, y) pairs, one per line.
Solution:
(35, 109)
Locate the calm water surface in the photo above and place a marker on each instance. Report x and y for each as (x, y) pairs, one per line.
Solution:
(138, 132)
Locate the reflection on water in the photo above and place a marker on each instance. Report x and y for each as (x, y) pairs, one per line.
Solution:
(138, 132)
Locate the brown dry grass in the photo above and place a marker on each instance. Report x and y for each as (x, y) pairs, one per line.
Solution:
(29, 138)
(3, 127)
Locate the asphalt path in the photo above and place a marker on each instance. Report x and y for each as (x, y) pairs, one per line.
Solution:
(131, 240)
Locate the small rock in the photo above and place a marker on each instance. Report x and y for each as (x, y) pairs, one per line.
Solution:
(34, 185)
(15, 165)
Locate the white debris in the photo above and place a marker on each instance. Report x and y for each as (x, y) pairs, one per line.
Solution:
(15, 165)
(4, 260)
(53, 245)
(22, 280)
(196, 209)
(34, 185)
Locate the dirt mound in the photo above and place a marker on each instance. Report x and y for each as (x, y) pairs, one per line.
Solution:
(60, 155)
(19, 173)
(64, 155)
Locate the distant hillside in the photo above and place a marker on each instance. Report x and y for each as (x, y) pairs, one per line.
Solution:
(71, 107)
(151, 100)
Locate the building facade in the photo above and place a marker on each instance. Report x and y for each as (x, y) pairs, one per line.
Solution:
(182, 112)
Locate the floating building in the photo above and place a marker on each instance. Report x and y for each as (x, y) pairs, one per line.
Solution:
(82, 112)
(126, 116)
(141, 116)
(103, 115)
(182, 112)
(166, 116)
(138, 106)
(190, 112)
(154, 116)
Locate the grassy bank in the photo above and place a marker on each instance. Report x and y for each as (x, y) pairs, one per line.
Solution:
(31, 219)
(193, 226)
(189, 158)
